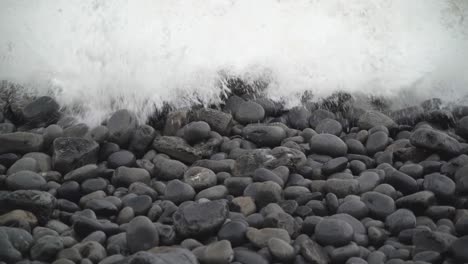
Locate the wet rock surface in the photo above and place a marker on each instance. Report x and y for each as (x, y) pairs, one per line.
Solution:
(249, 182)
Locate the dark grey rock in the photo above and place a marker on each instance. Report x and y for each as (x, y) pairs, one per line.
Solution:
(417, 202)
(24, 164)
(121, 158)
(281, 250)
(25, 180)
(76, 130)
(458, 249)
(72, 153)
(234, 232)
(92, 185)
(335, 165)
(329, 126)
(20, 142)
(298, 117)
(141, 139)
(167, 169)
(311, 250)
(196, 131)
(140, 204)
(124, 176)
(37, 202)
(342, 187)
(376, 142)
(200, 178)
(84, 226)
(373, 118)
(218, 252)
(462, 128)
(425, 240)
(264, 193)
(178, 192)
(83, 173)
(328, 144)
(223, 165)
(121, 126)
(99, 134)
(164, 255)
(260, 237)
(400, 220)
(46, 248)
(44, 161)
(218, 121)
(91, 250)
(117, 244)
(213, 193)
(249, 112)
(355, 146)
(6, 128)
(41, 112)
(333, 232)
(102, 207)
(344, 253)
(355, 208)
(264, 135)
(442, 186)
(380, 205)
(14, 243)
(177, 148)
(402, 182)
(141, 234)
(461, 179)
(434, 140)
(198, 219)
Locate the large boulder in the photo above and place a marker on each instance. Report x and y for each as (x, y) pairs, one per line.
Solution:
(71, 152)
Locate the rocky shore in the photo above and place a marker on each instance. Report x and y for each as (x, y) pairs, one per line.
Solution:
(245, 182)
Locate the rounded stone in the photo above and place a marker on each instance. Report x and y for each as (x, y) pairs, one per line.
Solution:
(380, 205)
(280, 250)
(200, 178)
(329, 126)
(141, 234)
(25, 180)
(333, 232)
(400, 220)
(196, 131)
(121, 158)
(249, 112)
(328, 144)
(178, 192)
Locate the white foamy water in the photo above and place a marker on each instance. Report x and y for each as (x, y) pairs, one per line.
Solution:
(105, 55)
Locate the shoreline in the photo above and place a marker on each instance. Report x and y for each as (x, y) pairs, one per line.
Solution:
(246, 181)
